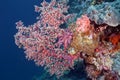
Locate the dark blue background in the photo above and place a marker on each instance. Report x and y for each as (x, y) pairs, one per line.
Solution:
(13, 65)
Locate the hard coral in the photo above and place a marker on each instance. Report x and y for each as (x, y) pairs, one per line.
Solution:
(83, 42)
(83, 24)
(107, 13)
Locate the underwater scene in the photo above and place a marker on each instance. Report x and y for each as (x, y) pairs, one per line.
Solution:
(79, 37)
(71, 40)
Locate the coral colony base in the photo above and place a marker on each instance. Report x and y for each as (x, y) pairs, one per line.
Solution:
(69, 31)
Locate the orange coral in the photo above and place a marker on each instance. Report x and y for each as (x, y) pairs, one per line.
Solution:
(114, 39)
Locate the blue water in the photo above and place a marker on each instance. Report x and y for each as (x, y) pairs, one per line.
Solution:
(13, 65)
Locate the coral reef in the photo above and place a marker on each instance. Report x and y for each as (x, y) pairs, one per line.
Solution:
(69, 33)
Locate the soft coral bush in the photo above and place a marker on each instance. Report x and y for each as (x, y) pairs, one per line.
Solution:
(42, 41)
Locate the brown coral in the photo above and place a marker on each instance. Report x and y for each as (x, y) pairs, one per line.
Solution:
(84, 42)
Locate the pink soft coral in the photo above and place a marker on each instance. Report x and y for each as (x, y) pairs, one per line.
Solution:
(39, 44)
(52, 13)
